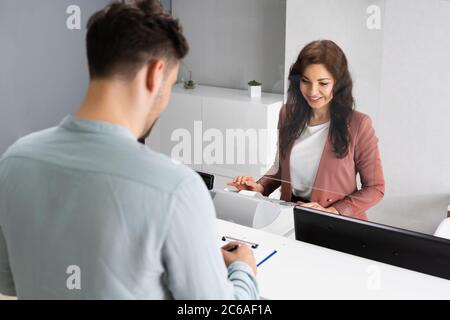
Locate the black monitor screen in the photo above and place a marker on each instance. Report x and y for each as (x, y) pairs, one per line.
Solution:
(208, 179)
(395, 246)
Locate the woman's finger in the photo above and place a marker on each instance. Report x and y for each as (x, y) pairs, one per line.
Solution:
(309, 204)
(312, 205)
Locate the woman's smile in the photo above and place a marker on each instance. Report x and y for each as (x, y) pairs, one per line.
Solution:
(313, 99)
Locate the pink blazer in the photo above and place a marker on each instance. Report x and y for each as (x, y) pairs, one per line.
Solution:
(335, 183)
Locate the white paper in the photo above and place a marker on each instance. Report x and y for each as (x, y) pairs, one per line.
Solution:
(260, 252)
(250, 193)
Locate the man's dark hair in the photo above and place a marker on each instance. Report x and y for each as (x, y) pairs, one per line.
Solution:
(126, 35)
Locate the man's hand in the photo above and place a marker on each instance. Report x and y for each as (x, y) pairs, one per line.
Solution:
(240, 252)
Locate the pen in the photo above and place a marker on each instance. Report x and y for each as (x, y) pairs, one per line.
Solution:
(232, 248)
(266, 258)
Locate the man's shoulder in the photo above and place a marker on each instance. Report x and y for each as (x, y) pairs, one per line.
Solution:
(127, 161)
(31, 140)
(158, 170)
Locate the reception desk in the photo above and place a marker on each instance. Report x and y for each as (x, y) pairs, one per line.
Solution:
(303, 271)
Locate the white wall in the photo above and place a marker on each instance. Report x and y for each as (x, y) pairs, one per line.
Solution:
(415, 111)
(234, 41)
(402, 78)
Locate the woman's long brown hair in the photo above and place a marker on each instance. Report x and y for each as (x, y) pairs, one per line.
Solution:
(298, 111)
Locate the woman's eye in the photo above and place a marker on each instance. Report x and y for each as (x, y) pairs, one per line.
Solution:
(324, 84)
(304, 81)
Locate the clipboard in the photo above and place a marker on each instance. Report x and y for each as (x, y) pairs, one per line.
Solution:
(261, 254)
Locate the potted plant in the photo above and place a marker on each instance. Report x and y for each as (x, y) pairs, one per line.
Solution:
(254, 89)
(189, 84)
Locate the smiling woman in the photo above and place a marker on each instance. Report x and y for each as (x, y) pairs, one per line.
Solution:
(323, 142)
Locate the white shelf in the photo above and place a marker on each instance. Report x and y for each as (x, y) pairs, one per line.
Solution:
(220, 110)
(229, 94)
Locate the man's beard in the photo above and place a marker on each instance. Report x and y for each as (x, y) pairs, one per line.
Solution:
(147, 134)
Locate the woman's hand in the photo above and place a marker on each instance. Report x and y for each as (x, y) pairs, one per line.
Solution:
(246, 183)
(317, 206)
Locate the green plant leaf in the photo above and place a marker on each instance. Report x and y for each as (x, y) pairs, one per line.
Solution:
(254, 83)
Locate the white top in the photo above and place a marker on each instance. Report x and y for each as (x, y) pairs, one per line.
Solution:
(305, 158)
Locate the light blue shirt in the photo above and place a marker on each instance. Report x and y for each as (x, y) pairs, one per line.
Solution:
(87, 212)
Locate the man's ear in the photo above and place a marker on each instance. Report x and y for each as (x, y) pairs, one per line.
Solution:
(155, 75)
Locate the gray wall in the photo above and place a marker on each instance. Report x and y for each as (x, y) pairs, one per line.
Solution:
(402, 75)
(167, 4)
(234, 41)
(43, 72)
(415, 112)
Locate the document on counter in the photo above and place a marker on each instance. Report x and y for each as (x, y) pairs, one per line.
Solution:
(262, 255)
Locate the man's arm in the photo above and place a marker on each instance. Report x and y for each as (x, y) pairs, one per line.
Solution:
(195, 267)
(6, 279)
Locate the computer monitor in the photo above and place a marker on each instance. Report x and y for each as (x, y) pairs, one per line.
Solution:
(208, 179)
(395, 246)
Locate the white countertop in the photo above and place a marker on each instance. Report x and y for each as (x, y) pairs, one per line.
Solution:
(304, 271)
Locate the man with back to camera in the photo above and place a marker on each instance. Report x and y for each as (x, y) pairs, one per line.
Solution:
(87, 212)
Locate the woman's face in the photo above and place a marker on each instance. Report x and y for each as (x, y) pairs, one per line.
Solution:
(316, 86)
